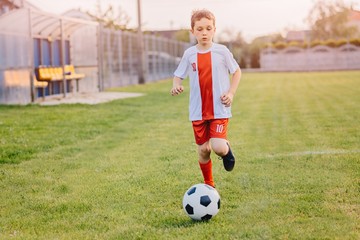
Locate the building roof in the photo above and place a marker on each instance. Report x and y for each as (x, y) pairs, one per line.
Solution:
(75, 13)
(43, 25)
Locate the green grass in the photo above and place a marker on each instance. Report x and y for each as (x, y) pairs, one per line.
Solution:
(119, 170)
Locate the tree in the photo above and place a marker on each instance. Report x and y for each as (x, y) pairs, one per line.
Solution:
(109, 18)
(328, 20)
(236, 43)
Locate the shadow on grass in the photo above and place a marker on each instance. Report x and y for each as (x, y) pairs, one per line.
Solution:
(182, 223)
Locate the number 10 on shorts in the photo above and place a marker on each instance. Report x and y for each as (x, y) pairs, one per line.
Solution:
(219, 128)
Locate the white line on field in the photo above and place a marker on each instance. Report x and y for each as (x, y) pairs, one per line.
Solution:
(305, 153)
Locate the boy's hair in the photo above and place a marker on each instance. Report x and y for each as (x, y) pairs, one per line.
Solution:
(199, 14)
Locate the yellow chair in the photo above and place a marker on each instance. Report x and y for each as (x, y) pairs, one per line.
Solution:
(44, 74)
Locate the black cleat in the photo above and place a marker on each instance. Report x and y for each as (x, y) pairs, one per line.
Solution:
(229, 160)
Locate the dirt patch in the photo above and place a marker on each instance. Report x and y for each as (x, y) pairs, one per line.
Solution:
(86, 98)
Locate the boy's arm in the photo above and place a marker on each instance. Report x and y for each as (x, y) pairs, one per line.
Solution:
(227, 98)
(177, 86)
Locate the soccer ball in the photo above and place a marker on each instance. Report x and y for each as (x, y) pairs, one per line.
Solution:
(201, 202)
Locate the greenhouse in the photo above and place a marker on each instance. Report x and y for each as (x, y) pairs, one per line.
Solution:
(43, 55)
(30, 39)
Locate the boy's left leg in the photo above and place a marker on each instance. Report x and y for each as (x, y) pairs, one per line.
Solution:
(229, 160)
(220, 144)
(222, 148)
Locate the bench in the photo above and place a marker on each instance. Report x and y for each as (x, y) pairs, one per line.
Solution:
(51, 74)
(39, 84)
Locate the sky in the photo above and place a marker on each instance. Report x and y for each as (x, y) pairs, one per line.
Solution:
(253, 18)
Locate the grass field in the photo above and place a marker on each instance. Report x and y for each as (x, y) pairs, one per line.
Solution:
(119, 170)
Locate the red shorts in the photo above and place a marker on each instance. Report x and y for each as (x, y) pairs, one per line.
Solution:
(206, 129)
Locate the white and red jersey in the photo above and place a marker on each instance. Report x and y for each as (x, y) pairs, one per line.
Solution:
(209, 79)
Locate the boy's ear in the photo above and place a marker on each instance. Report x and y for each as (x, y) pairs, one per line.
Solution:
(192, 31)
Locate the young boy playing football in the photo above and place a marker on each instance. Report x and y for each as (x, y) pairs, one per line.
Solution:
(208, 66)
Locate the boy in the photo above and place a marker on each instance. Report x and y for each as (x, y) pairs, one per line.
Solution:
(208, 65)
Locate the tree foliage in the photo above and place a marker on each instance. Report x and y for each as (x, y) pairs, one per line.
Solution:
(183, 35)
(330, 20)
(259, 43)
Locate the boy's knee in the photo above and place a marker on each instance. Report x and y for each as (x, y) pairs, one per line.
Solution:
(221, 151)
(204, 149)
(220, 147)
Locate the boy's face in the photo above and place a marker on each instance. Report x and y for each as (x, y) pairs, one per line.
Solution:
(204, 31)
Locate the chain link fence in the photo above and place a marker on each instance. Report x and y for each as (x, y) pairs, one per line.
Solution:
(119, 56)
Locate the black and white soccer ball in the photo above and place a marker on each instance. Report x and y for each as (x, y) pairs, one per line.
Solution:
(201, 202)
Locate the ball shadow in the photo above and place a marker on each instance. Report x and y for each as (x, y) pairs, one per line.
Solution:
(183, 222)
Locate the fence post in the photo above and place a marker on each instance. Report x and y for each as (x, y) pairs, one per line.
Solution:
(62, 54)
(100, 60)
(31, 56)
(141, 56)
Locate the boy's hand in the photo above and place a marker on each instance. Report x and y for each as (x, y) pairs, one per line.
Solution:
(177, 90)
(227, 99)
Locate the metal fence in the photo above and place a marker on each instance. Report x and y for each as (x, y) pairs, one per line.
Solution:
(120, 62)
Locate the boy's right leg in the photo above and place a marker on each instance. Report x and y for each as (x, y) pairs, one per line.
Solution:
(206, 169)
(205, 163)
(201, 133)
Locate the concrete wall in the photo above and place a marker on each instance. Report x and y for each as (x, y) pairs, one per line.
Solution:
(319, 58)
